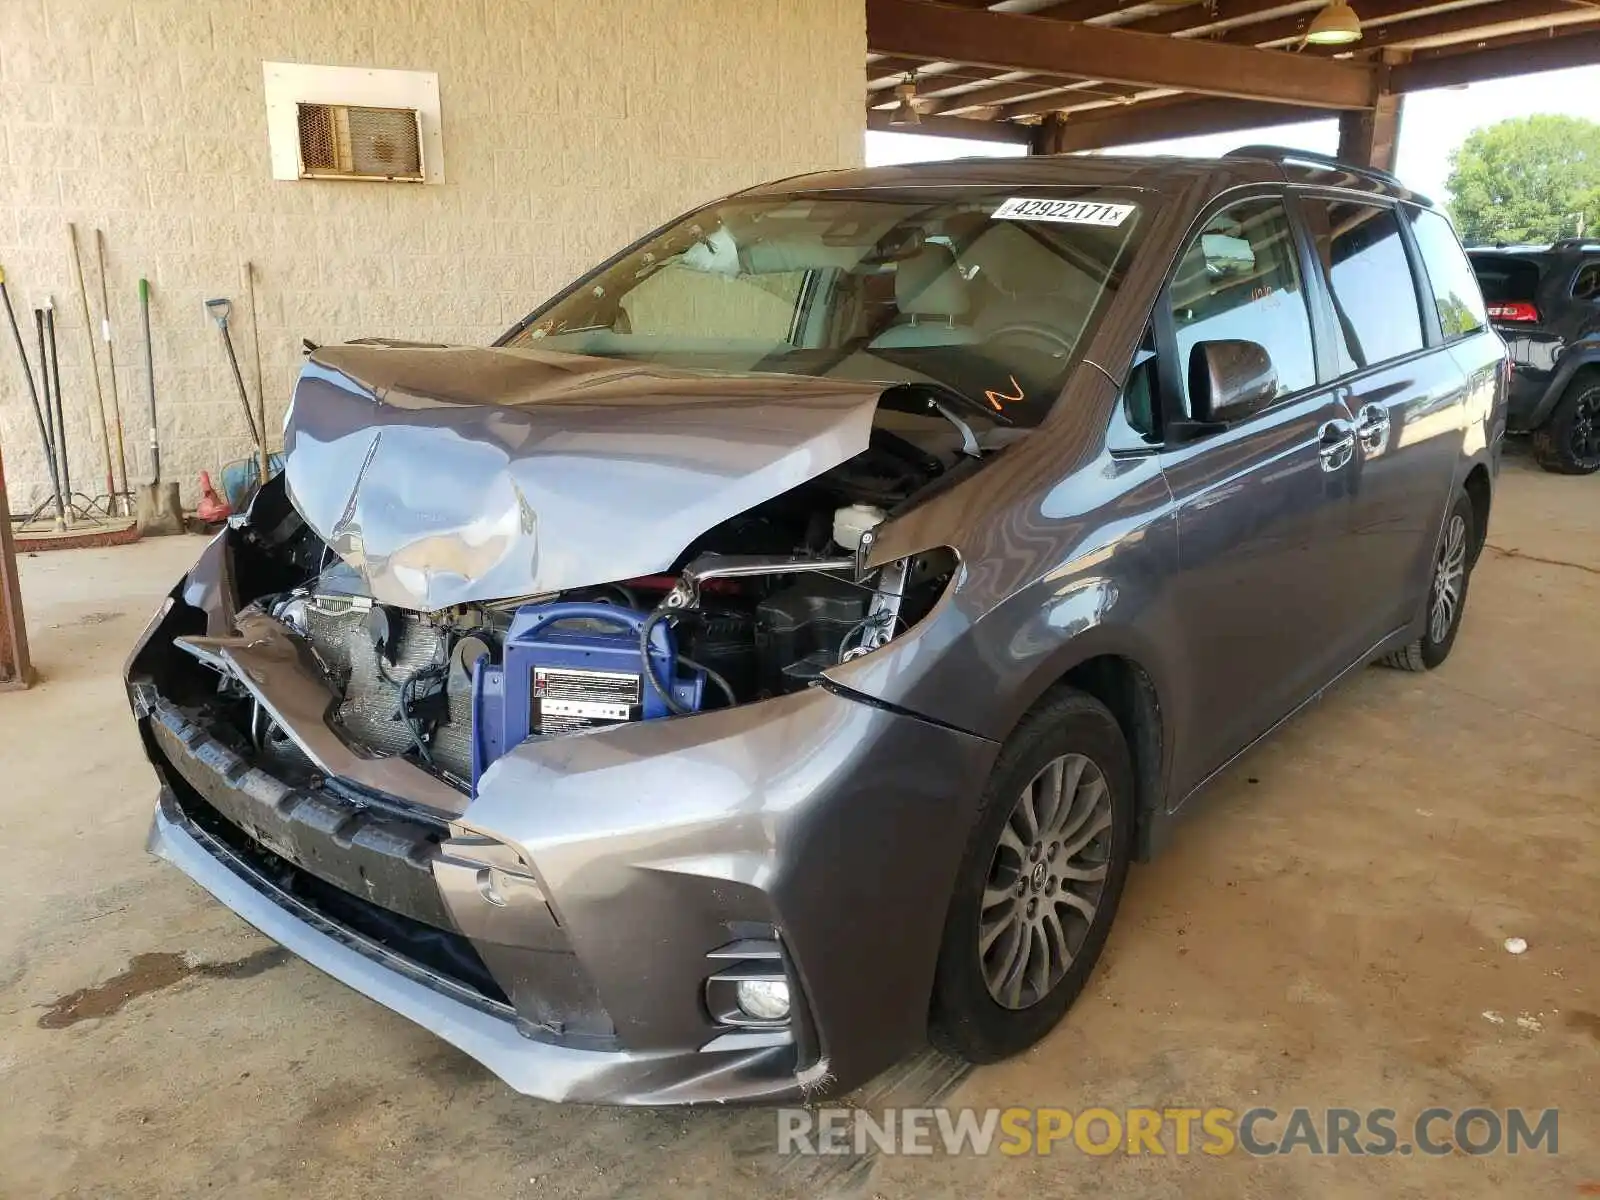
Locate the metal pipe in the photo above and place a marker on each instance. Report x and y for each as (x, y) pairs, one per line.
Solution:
(150, 381)
(33, 395)
(111, 358)
(686, 593)
(261, 393)
(16, 671)
(94, 365)
(61, 408)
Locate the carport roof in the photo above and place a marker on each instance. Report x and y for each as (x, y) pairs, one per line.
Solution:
(1083, 74)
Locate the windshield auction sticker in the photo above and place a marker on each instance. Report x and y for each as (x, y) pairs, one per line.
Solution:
(1069, 212)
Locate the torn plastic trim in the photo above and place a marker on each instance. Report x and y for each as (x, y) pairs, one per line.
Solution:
(273, 666)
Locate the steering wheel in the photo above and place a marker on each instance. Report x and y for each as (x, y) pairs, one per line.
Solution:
(1030, 336)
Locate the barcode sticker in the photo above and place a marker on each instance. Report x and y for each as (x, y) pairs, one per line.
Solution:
(1070, 212)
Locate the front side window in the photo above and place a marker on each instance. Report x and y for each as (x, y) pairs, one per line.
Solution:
(988, 294)
(1374, 297)
(1240, 280)
(1455, 288)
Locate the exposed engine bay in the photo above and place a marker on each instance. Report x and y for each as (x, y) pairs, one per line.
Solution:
(758, 606)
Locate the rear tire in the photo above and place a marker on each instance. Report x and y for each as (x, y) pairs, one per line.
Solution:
(1447, 592)
(1569, 442)
(1040, 881)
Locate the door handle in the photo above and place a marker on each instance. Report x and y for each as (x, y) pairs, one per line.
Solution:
(1372, 427)
(1336, 444)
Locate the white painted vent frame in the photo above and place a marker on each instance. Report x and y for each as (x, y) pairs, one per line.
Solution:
(287, 86)
(334, 145)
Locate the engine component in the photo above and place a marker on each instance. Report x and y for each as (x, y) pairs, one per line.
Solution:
(567, 667)
(850, 522)
(383, 663)
(803, 628)
(724, 641)
(884, 613)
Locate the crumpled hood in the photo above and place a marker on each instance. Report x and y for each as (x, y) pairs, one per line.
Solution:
(446, 475)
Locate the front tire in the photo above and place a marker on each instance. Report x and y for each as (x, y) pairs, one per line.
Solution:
(1040, 881)
(1569, 442)
(1447, 592)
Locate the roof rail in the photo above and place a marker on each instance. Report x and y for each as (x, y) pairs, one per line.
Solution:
(1576, 243)
(1285, 154)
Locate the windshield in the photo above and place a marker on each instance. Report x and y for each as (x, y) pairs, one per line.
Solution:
(989, 295)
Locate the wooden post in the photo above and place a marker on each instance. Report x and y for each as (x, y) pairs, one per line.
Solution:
(1047, 135)
(1369, 137)
(16, 671)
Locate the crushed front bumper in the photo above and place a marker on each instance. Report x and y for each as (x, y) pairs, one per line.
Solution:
(487, 1032)
(563, 928)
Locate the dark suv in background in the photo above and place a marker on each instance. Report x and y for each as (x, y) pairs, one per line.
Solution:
(776, 647)
(1545, 301)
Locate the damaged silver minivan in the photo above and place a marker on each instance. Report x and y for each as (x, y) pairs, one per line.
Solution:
(776, 647)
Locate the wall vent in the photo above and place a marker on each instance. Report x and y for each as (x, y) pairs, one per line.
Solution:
(348, 141)
(352, 123)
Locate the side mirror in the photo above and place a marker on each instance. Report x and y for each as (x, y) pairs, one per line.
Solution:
(1230, 380)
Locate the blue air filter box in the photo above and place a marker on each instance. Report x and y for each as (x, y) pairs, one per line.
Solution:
(568, 667)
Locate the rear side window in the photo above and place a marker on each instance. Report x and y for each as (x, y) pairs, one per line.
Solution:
(1587, 285)
(1506, 280)
(1455, 288)
(1373, 294)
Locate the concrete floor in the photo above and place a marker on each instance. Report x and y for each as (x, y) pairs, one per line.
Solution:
(1328, 930)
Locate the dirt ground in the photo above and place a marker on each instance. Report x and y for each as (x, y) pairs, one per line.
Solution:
(1328, 930)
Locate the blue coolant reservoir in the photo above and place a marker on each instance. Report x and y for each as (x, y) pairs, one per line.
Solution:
(568, 667)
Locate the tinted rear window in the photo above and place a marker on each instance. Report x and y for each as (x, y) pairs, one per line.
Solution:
(1505, 279)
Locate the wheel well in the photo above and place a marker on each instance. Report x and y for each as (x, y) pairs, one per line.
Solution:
(1127, 690)
(1477, 488)
(1586, 374)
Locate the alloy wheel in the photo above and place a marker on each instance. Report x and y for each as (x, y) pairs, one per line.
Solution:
(1449, 575)
(1045, 881)
(1585, 434)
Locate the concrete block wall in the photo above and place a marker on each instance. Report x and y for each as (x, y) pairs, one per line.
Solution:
(570, 127)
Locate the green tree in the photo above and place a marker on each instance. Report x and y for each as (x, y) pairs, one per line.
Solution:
(1526, 180)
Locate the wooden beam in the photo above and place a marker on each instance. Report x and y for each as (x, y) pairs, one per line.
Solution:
(1399, 22)
(959, 127)
(1009, 93)
(1076, 101)
(1490, 21)
(885, 73)
(1221, 16)
(1289, 29)
(1008, 42)
(1436, 69)
(1173, 117)
(1369, 137)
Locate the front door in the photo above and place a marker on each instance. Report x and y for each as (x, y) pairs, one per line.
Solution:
(1262, 506)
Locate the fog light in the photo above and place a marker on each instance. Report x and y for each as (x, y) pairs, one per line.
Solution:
(763, 999)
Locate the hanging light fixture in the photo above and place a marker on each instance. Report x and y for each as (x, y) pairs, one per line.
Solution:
(1336, 25)
(905, 110)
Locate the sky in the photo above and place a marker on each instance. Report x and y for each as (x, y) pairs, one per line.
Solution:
(1434, 124)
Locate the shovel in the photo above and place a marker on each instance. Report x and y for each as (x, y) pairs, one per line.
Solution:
(158, 509)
